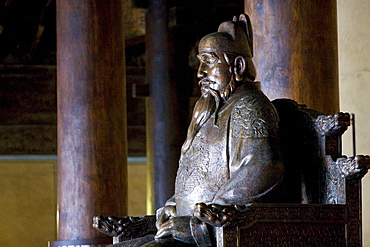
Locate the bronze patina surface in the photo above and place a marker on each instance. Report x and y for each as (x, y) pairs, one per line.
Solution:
(230, 155)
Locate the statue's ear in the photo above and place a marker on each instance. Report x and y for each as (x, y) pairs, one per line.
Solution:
(239, 67)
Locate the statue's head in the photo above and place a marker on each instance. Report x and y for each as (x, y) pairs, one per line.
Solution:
(226, 57)
(225, 63)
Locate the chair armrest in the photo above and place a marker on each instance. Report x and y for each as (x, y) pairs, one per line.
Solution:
(125, 228)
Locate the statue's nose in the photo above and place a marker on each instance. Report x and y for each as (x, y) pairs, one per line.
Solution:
(201, 71)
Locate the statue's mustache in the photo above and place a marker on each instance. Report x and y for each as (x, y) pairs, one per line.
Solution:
(205, 81)
(223, 93)
(206, 90)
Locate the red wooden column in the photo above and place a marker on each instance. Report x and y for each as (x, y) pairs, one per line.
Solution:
(296, 50)
(91, 115)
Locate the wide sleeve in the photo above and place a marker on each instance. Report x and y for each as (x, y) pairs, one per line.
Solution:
(255, 166)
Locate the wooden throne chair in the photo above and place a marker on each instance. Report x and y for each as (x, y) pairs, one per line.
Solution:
(320, 204)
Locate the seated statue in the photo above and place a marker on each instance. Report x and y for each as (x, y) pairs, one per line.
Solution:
(230, 157)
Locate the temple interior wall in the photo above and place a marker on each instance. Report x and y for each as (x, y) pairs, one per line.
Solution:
(354, 85)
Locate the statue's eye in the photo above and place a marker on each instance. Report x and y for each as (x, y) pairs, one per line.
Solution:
(207, 58)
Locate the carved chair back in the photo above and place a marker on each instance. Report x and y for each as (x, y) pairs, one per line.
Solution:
(321, 192)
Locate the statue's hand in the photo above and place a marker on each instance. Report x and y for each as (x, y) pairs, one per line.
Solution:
(177, 228)
(220, 215)
(164, 214)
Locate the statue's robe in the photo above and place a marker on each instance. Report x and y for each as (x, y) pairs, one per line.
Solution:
(234, 157)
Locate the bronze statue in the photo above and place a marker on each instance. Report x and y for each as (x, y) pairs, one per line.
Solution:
(230, 157)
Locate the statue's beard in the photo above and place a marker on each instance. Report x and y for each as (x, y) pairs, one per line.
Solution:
(207, 105)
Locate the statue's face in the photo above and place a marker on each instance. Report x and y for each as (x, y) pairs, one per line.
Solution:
(213, 72)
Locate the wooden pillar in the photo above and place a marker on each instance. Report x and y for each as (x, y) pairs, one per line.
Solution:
(296, 50)
(166, 105)
(91, 115)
